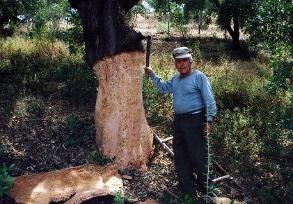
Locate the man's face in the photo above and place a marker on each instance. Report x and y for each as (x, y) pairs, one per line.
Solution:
(183, 66)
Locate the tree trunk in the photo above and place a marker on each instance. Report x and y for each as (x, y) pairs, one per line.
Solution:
(121, 127)
(235, 37)
(115, 51)
(200, 21)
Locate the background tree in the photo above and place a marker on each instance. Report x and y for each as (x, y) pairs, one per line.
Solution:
(139, 9)
(199, 10)
(173, 13)
(272, 23)
(8, 15)
(42, 16)
(271, 29)
(48, 17)
(163, 10)
(232, 15)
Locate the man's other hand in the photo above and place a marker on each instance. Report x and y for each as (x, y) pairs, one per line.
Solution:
(208, 128)
(149, 71)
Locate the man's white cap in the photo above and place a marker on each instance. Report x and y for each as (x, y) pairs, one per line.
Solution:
(181, 52)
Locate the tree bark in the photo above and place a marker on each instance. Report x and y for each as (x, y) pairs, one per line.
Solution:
(121, 127)
(71, 185)
(106, 31)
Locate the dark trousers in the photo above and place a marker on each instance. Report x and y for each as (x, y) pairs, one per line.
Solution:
(190, 152)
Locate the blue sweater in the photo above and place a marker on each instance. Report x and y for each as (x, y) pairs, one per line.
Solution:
(190, 93)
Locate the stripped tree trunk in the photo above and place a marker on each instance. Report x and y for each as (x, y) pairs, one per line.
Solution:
(115, 52)
(121, 126)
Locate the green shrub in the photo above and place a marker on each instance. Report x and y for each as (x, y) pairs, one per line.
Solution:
(233, 90)
(74, 35)
(255, 141)
(187, 200)
(119, 198)
(282, 67)
(234, 139)
(6, 180)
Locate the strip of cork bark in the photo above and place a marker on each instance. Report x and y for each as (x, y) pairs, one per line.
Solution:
(75, 185)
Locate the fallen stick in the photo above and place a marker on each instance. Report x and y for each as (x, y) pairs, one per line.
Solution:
(222, 178)
(221, 169)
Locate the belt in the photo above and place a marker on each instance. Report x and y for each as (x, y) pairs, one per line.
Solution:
(191, 112)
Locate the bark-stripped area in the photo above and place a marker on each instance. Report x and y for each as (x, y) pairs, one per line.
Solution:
(122, 129)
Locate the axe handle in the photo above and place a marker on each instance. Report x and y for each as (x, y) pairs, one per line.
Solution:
(148, 50)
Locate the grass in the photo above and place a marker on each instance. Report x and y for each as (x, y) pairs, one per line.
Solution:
(48, 93)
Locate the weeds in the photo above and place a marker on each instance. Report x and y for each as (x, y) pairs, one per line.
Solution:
(119, 198)
(6, 180)
(196, 54)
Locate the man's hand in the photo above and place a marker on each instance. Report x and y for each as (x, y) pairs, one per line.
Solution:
(208, 128)
(149, 71)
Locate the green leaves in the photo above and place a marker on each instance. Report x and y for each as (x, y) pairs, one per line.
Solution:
(119, 198)
(272, 23)
(281, 79)
(43, 15)
(6, 180)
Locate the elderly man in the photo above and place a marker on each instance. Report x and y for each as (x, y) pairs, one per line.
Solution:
(195, 108)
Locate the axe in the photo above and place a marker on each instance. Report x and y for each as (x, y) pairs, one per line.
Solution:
(148, 50)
